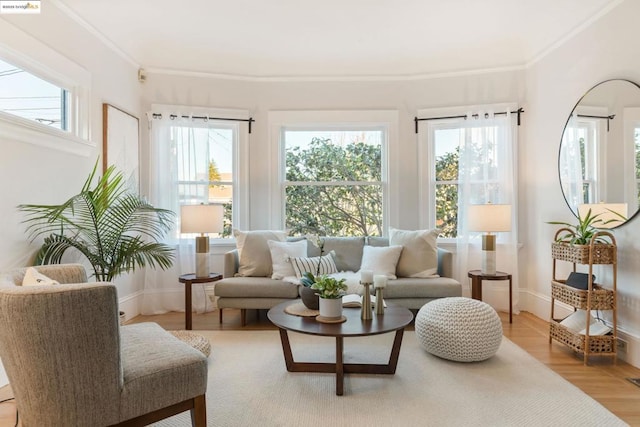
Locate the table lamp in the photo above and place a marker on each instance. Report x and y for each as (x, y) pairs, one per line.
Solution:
(490, 219)
(610, 215)
(201, 219)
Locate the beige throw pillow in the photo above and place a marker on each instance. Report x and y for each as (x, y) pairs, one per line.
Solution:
(33, 278)
(253, 251)
(281, 255)
(419, 256)
(381, 259)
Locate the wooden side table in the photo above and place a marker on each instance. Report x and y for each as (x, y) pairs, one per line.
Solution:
(477, 277)
(188, 280)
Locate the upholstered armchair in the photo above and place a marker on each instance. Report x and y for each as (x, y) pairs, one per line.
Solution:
(69, 362)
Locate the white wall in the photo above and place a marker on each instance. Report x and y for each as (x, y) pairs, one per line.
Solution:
(608, 49)
(32, 174)
(407, 97)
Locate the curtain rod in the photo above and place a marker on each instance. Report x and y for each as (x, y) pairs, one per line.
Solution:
(486, 115)
(609, 118)
(250, 120)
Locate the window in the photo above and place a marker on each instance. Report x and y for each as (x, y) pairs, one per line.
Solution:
(204, 165)
(332, 173)
(26, 95)
(333, 180)
(195, 160)
(588, 138)
(44, 97)
(448, 140)
(582, 160)
(459, 154)
(446, 149)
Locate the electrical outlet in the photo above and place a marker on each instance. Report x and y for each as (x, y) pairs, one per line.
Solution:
(621, 345)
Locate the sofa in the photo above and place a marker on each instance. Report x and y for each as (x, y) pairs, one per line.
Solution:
(257, 290)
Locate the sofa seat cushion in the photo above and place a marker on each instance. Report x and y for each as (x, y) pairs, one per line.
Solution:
(152, 357)
(255, 287)
(409, 287)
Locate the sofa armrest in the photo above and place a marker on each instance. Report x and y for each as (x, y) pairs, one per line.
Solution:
(231, 263)
(445, 263)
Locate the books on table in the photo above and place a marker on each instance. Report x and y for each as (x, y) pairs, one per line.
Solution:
(355, 300)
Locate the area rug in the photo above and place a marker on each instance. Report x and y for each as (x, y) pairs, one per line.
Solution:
(250, 386)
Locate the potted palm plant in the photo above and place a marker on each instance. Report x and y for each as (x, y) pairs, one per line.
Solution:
(115, 229)
(330, 290)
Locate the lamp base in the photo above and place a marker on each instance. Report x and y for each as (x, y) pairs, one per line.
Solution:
(202, 256)
(488, 254)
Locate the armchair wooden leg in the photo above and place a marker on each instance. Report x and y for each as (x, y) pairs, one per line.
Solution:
(199, 412)
(243, 316)
(220, 315)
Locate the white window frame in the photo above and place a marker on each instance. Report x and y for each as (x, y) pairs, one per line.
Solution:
(595, 155)
(631, 117)
(387, 119)
(426, 157)
(240, 152)
(46, 63)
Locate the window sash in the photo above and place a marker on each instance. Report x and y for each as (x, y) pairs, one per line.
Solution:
(195, 157)
(429, 183)
(343, 131)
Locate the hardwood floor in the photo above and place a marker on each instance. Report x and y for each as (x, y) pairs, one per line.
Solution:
(605, 382)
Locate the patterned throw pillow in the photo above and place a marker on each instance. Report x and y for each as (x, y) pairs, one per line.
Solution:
(327, 265)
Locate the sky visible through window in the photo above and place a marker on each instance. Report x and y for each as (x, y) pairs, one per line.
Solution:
(25, 95)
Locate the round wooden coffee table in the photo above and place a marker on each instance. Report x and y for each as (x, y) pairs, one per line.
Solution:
(395, 318)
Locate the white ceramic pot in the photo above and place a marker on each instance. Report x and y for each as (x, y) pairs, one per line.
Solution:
(331, 307)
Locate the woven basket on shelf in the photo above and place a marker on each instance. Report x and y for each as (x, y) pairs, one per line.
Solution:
(602, 344)
(601, 298)
(603, 253)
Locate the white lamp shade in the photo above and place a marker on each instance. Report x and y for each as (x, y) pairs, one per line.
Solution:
(489, 218)
(609, 214)
(201, 219)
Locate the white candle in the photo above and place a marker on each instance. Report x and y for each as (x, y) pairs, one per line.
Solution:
(379, 281)
(366, 276)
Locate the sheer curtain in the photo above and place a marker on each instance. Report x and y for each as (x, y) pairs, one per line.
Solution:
(486, 173)
(174, 150)
(571, 164)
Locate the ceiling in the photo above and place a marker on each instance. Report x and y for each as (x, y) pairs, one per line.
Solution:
(302, 39)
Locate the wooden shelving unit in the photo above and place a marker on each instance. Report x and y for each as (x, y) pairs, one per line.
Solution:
(596, 297)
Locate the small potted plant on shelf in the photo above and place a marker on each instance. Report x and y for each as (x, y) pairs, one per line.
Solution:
(330, 290)
(573, 242)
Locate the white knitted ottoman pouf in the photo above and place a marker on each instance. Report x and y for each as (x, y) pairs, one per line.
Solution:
(459, 329)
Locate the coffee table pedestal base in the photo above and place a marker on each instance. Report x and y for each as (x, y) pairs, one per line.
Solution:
(339, 367)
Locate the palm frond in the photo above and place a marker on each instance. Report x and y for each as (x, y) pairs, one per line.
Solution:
(116, 230)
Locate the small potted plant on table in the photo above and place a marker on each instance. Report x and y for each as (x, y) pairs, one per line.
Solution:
(331, 291)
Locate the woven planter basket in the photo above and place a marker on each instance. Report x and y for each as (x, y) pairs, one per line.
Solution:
(602, 253)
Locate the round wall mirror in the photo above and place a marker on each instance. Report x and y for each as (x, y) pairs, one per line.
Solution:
(599, 159)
